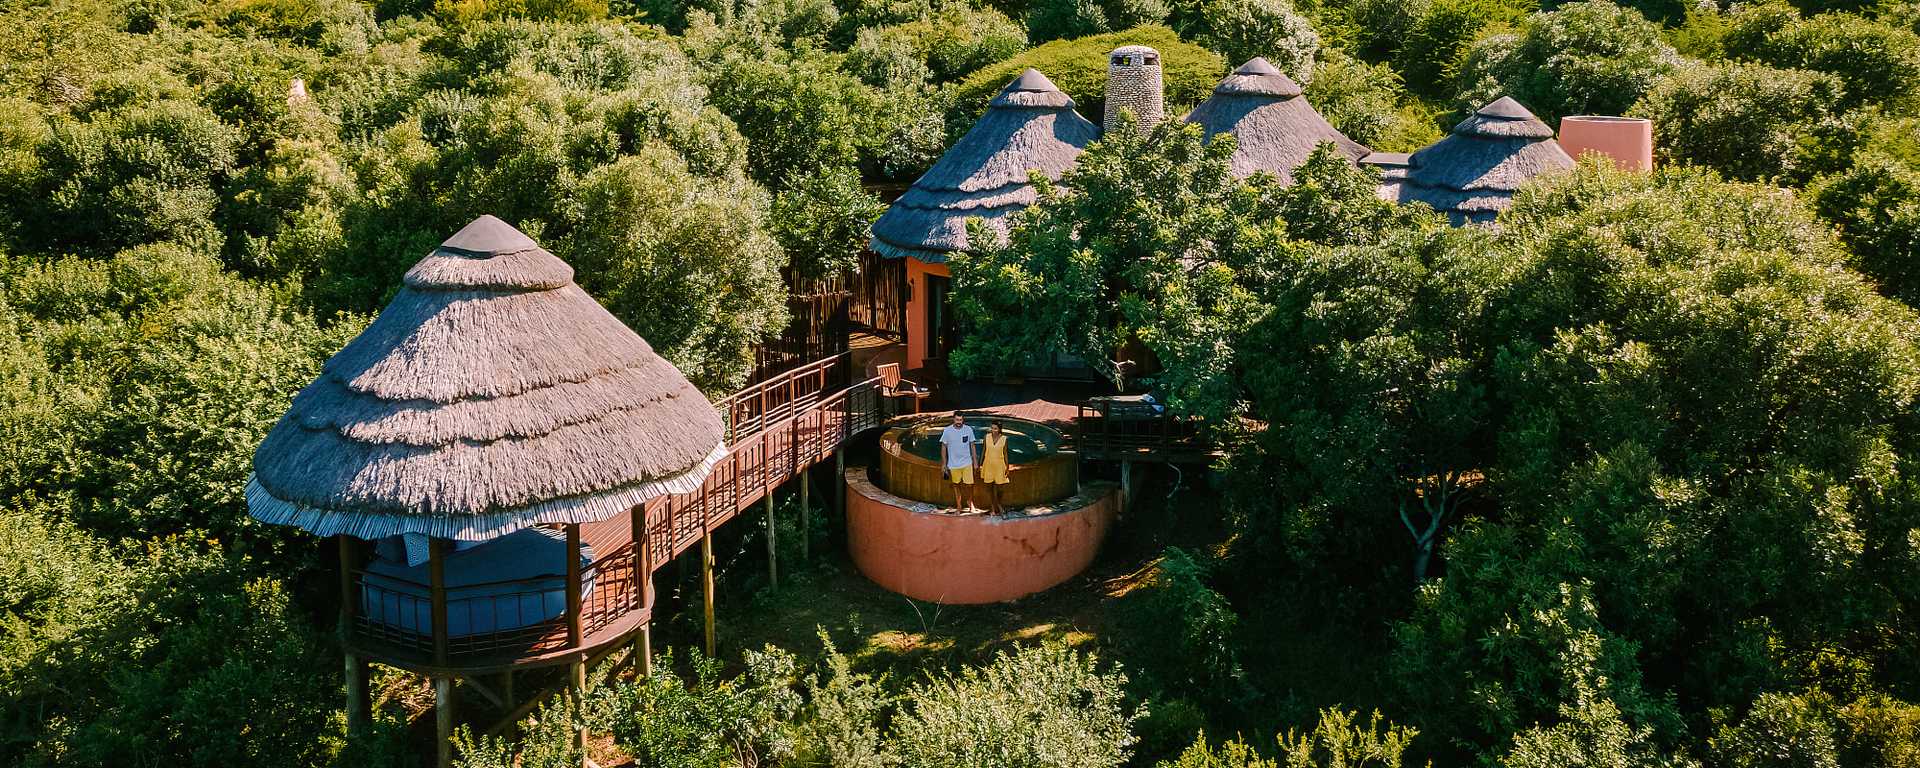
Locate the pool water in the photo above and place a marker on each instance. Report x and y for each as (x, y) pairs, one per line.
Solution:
(1026, 440)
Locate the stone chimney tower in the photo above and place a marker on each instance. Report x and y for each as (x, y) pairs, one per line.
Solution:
(1134, 82)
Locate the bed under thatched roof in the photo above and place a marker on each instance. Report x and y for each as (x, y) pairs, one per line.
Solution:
(1471, 174)
(1029, 126)
(491, 394)
(1274, 126)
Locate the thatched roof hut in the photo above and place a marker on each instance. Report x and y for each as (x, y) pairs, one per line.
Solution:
(1273, 124)
(1029, 126)
(1471, 174)
(491, 394)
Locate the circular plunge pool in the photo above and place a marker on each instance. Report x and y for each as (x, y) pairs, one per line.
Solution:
(1037, 471)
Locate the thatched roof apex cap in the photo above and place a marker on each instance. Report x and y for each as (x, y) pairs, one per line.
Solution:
(1125, 49)
(1031, 90)
(489, 236)
(489, 254)
(1503, 118)
(1258, 78)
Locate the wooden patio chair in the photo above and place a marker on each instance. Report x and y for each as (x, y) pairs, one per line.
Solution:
(891, 385)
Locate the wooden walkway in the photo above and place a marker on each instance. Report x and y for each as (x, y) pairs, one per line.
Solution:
(775, 430)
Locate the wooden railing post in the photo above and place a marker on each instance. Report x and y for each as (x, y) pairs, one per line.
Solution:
(643, 589)
(437, 597)
(574, 635)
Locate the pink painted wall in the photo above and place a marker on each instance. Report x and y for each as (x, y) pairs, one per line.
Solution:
(917, 330)
(909, 548)
(1628, 141)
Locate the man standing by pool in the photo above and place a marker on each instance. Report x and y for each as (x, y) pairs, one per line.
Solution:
(956, 454)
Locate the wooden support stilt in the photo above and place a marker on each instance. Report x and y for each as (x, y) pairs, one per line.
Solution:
(644, 647)
(1126, 485)
(359, 703)
(577, 679)
(643, 593)
(840, 481)
(773, 545)
(443, 721)
(506, 689)
(806, 516)
(706, 578)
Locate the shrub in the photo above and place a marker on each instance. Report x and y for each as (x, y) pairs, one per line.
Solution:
(1336, 740)
(1590, 57)
(1193, 650)
(1038, 707)
(823, 222)
(952, 43)
(1437, 41)
(1876, 206)
(1746, 121)
(1879, 64)
(548, 739)
(664, 721)
(1779, 731)
(1242, 29)
(1058, 19)
(1369, 104)
(1079, 67)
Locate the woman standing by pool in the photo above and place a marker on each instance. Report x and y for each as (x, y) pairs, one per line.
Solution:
(993, 467)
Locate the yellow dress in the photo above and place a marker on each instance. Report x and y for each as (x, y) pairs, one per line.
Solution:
(993, 461)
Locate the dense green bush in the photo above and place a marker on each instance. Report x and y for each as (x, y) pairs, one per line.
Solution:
(1057, 19)
(1876, 205)
(156, 654)
(664, 721)
(1368, 103)
(1336, 740)
(951, 44)
(1040, 707)
(1436, 45)
(1746, 121)
(824, 222)
(1879, 64)
(1586, 58)
(1079, 67)
(1239, 30)
(1191, 647)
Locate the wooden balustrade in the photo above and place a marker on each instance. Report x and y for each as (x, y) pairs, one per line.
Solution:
(396, 620)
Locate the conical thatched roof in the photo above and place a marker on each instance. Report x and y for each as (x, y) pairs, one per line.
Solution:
(1273, 124)
(1471, 174)
(1030, 126)
(491, 395)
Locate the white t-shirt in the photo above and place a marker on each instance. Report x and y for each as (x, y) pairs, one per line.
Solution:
(959, 445)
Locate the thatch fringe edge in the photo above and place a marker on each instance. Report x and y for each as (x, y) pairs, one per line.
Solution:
(891, 251)
(262, 505)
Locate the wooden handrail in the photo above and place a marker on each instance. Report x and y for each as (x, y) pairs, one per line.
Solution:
(804, 423)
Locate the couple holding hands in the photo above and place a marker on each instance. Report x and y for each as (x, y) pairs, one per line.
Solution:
(961, 454)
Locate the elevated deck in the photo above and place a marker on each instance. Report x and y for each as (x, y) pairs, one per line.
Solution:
(775, 430)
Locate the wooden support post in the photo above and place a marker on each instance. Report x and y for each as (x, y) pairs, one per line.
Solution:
(1126, 485)
(359, 705)
(443, 721)
(806, 516)
(773, 555)
(706, 577)
(840, 480)
(437, 598)
(643, 592)
(577, 678)
(506, 690)
(574, 635)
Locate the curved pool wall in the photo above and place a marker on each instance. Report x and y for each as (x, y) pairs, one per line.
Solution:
(1037, 471)
(912, 548)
